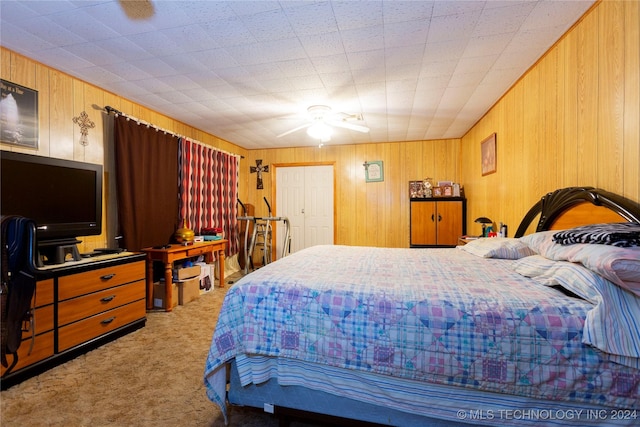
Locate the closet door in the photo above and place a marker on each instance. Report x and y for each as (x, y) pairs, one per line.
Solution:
(318, 206)
(304, 194)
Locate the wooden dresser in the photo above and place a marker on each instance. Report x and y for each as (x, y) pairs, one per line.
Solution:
(437, 221)
(81, 305)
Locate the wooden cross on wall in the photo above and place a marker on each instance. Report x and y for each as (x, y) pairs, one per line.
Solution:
(259, 168)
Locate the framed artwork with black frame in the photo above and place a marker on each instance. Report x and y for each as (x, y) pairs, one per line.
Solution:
(18, 115)
(488, 151)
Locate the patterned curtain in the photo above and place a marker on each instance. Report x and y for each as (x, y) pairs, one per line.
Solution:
(208, 188)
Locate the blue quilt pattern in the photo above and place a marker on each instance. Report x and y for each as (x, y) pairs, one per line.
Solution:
(437, 315)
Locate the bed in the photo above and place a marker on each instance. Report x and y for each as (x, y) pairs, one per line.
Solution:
(531, 330)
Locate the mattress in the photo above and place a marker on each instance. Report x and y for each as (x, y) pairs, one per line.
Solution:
(439, 316)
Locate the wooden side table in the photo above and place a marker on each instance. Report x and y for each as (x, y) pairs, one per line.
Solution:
(176, 252)
(463, 240)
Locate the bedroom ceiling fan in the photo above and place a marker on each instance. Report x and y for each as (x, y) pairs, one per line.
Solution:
(322, 120)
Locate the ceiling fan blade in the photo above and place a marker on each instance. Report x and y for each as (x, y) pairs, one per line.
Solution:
(294, 130)
(347, 125)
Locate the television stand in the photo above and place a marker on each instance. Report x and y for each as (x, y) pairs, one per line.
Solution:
(56, 251)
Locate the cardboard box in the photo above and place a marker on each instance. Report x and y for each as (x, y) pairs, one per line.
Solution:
(159, 294)
(186, 273)
(188, 290)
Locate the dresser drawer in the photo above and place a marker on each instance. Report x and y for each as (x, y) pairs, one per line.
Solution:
(96, 280)
(42, 348)
(78, 308)
(92, 327)
(44, 292)
(43, 321)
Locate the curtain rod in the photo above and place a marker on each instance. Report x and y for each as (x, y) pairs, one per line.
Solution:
(110, 109)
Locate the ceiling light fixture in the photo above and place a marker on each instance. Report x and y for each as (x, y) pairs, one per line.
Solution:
(321, 131)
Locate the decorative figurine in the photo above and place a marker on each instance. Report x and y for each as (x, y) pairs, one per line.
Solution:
(427, 187)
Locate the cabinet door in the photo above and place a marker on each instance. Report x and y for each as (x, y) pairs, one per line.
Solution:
(423, 223)
(449, 217)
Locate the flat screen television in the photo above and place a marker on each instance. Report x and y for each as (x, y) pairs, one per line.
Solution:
(63, 197)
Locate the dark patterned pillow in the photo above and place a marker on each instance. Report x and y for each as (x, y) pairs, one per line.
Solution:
(622, 234)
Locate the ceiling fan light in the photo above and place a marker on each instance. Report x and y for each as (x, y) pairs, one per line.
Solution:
(320, 131)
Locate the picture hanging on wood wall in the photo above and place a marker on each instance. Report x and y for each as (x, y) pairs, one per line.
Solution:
(488, 150)
(374, 171)
(18, 115)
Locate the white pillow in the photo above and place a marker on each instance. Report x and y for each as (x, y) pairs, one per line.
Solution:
(618, 265)
(498, 247)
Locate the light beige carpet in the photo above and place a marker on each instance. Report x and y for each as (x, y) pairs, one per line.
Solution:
(151, 377)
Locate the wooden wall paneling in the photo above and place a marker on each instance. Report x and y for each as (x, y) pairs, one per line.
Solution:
(346, 194)
(79, 105)
(413, 171)
(439, 158)
(397, 196)
(62, 97)
(412, 162)
(610, 141)
(553, 116)
(588, 99)
(94, 152)
(503, 141)
(519, 167)
(568, 106)
(375, 212)
(547, 114)
(93, 102)
(532, 136)
(61, 114)
(44, 116)
(564, 93)
(362, 196)
(351, 214)
(369, 209)
(23, 72)
(5, 64)
(631, 160)
(470, 169)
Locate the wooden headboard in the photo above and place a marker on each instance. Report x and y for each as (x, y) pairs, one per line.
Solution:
(574, 206)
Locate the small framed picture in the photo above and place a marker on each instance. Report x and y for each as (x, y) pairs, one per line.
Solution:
(447, 191)
(437, 191)
(488, 151)
(374, 171)
(18, 115)
(416, 189)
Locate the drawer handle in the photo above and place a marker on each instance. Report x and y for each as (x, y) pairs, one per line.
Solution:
(109, 320)
(108, 299)
(108, 276)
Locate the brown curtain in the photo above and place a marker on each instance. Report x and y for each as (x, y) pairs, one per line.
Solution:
(147, 184)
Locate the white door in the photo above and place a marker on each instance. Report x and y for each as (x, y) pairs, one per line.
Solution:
(304, 194)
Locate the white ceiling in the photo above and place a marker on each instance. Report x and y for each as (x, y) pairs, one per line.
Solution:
(246, 71)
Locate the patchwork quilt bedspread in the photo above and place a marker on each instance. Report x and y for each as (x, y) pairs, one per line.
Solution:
(437, 315)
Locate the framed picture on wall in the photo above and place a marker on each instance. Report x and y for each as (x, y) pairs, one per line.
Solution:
(488, 151)
(18, 115)
(374, 171)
